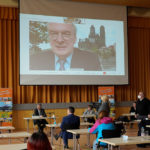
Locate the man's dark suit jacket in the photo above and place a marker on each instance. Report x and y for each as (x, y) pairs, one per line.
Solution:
(69, 122)
(80, 59)
(42, 113)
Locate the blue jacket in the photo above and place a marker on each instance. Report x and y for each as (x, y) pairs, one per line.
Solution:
(69, 122)
(103, 124)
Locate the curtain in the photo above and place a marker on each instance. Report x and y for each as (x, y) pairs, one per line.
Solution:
(139, 60)
(139, 66)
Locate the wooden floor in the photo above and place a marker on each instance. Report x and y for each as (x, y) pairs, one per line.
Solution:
(83, 141)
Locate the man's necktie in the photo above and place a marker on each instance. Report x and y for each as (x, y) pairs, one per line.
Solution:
(62, 63)
(39, 112)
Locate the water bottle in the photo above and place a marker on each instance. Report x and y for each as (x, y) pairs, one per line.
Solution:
(99, 100)
(142, 131)
(55, 122)
(54, 119)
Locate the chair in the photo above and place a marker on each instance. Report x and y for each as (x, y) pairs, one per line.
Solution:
(119, 125)
(109, 134)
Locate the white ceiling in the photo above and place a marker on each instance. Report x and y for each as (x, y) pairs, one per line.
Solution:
(136, 3)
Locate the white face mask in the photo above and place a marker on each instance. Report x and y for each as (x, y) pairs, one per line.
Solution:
(139, 96)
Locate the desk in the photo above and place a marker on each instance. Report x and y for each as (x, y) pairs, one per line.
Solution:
(16, 146)
(129, 114)
(36, 118)
(14, 135)
(135, 121)
(13, 146)
(9, 128)
(86, 124)
(79, 131)
(52, 126)
(87, 116)
(131, 141)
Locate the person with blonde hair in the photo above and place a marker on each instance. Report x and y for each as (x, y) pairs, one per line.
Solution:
(105, 104)
(102, 123)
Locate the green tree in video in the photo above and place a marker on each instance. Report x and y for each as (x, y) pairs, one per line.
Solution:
(38, 34)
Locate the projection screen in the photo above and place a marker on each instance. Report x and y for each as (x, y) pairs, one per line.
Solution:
(63, 42)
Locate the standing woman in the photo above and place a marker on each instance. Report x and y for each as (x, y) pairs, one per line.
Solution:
(105, 104)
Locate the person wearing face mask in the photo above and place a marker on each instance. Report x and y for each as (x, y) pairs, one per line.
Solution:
(142, 107)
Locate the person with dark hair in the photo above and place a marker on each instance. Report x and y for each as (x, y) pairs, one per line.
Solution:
(132, 112)
(133, 108)
(89, 111)
(38, 141)
(102, 123)
(40, 122)
(71, 109)
(69, 122)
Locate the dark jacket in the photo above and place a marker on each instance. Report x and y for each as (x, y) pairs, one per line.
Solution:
(132, 110)
(42, 113)
(80, 59)
(143, 107)
(69, 122)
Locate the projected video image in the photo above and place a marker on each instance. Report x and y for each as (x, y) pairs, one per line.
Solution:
(65, 43)
(72, 43)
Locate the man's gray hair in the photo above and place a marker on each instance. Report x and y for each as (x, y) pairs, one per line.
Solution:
(73, 25)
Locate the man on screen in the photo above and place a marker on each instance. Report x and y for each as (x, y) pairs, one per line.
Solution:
(63, 55)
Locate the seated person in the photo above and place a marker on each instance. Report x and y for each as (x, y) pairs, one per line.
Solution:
(132, 110)
(69, 122)
(105, 104)
(38, 141)
(89, 111)
(40, 122)
(102, 123)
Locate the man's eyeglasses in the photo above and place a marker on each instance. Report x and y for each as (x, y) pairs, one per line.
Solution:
(65, 35)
